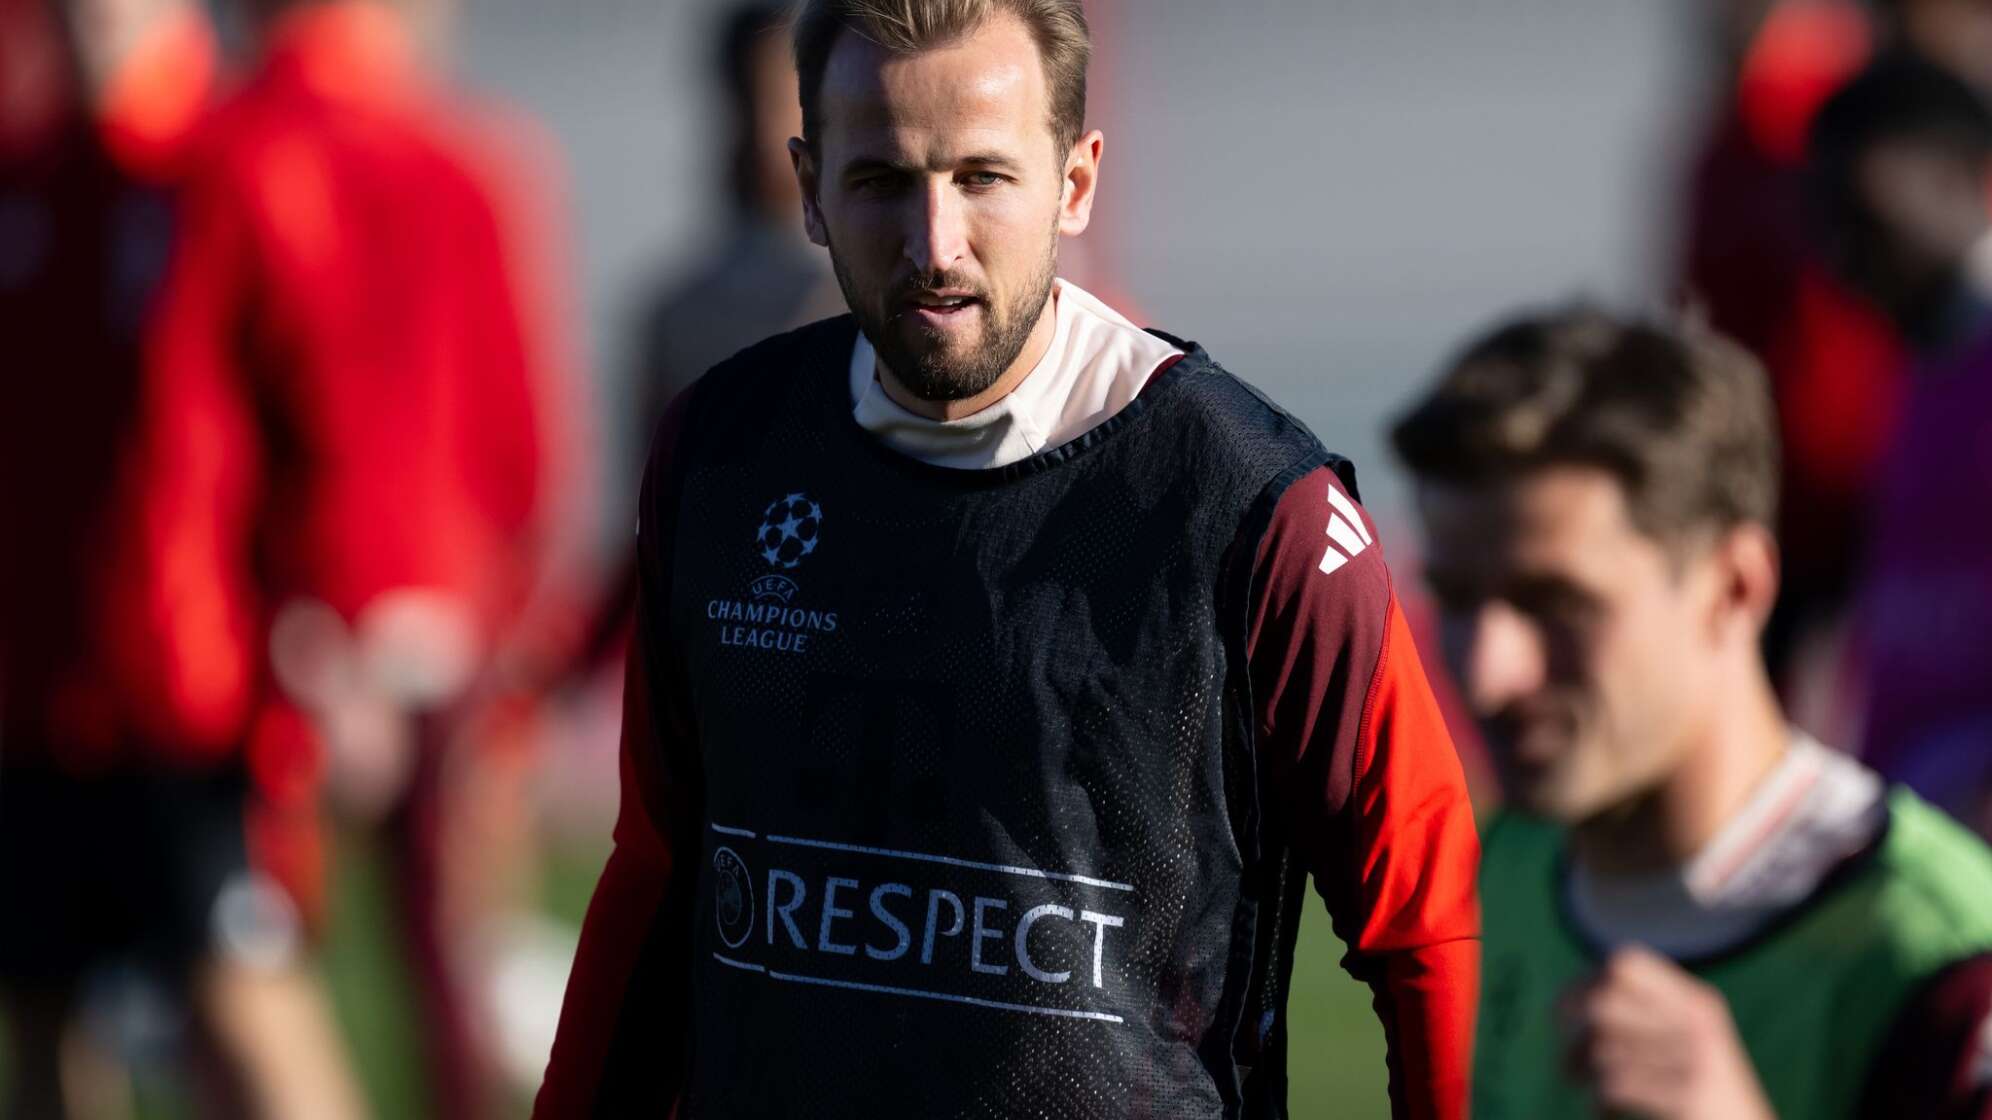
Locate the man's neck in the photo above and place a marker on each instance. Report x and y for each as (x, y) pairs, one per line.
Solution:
(1670, 823)
(1027, 360)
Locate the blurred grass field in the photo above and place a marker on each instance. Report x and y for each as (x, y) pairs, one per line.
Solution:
(1337, 1047)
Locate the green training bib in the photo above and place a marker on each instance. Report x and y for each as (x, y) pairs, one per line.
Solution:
(1813, 997)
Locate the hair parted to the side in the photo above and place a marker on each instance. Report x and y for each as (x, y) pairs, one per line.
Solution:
(909, 26)
(1679, 415)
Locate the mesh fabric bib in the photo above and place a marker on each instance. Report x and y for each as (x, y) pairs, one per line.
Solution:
(983, 835)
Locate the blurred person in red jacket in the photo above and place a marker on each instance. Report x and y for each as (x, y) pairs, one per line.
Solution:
(1902, 159)
(352, 473)
(118, 852)
(1748, 264)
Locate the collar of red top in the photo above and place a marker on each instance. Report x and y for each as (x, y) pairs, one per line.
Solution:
(151, 106)
(352, 49)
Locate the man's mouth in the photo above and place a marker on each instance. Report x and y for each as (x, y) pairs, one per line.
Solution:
(935, 307)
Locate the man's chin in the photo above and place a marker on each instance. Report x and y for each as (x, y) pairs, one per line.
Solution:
(937, 374)
(937, 345)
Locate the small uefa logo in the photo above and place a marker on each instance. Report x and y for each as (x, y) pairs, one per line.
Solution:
(733, 897)
(772, 588)
(790, 528)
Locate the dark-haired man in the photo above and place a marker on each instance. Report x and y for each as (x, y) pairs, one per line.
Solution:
(1002, 670)
(1692, 910)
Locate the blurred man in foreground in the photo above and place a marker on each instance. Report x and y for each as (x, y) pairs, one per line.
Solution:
(1903, 163)
(349, 457)
(1692, 910)
(1003, 670)
(125, 866)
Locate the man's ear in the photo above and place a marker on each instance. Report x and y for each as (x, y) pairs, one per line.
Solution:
(806, 181)
(1746, 571)
(1082, 180)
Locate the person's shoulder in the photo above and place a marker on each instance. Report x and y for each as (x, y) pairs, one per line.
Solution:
(1933, 876)
(1915, 946)
(1231, 421)
(1917, 900)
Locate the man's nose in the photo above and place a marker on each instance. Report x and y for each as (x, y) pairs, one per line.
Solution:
(1500, 657)
(937, 237)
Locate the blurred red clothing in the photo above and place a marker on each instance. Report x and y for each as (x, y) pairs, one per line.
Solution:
(85, 224)
(37, 83)
(353, 383)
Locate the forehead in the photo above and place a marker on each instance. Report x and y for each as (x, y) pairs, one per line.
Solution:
(987, 87)
(1564, 517)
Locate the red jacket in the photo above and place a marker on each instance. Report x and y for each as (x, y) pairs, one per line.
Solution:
(349, 377)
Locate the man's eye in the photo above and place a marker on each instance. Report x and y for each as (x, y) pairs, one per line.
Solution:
(875, 185)
(982, 179)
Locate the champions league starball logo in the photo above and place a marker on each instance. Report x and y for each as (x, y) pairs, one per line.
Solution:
(790, 529)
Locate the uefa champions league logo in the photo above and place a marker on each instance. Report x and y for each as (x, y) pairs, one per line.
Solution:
(790, 529)
(769, 617)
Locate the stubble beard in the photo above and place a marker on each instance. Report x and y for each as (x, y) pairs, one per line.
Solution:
(918, 357)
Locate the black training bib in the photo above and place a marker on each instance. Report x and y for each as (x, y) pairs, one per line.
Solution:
(982, 836)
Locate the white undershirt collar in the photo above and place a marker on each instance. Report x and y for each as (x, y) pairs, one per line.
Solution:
(1814, 810)
(1096, 363)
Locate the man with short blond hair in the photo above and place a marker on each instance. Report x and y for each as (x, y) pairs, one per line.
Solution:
(1002, 670)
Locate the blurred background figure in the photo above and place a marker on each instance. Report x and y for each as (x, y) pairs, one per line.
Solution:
(1748, 265)
(1692, 907)
(760, 276)
(139, 919)
(351, 481)
(1902, 161)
